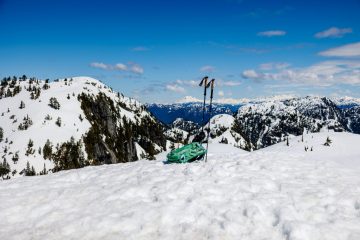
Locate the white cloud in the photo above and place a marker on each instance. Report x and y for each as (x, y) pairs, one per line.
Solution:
(333, 32)
(222, 83)
(120, 66)
(132, 67)
(274, 65)
(191, 83)
(221, 93)
(252, 74)
(188, 99)
(100, 65)
(135, 68)
(207, 68)
(218, 82)
(322, 74)
(174, 88)
(272, 33)
(349, 50)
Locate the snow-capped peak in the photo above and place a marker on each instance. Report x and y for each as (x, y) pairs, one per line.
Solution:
(189, 99)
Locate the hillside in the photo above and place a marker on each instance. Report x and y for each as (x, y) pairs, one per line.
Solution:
(279, 192)
(70, 123)
(270, 122)
(260, 122)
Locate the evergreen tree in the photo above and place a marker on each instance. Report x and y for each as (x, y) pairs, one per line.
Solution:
(46, 85)
(17, 90)
(29, 171)
(4, 168)
(15, 158)
(47, 150)
(1, 134)
(54, 103)
(44, 171)
(30, 149)
(27, 168)
(327, 142)
(48, 117)
(69, 155)
(58, 121)
(22, 105)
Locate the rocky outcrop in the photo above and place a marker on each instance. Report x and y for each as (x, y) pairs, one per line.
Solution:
(111, 139)
(268, 123)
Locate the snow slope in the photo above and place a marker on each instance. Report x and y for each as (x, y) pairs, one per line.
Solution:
(73, 119)
(221, 131)
(280, 192)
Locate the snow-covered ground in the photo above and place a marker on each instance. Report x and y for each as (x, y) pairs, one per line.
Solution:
(44, 118)
(280, 192)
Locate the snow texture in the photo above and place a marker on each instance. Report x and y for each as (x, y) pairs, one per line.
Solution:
(66, 93)
(280, 192)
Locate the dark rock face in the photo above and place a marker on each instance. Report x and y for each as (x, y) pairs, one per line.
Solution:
(268, 123)
(112, 138)
(352, 118)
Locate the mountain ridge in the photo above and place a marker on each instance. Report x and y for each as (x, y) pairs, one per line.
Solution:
(71, 123)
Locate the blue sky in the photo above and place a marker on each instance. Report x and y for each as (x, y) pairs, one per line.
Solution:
(157, 51)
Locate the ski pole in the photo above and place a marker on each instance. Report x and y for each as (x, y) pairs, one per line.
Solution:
(211, 83)
(204, 81)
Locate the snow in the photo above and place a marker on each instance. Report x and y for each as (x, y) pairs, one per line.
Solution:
(175, 133)
(41, 130)
(344, 101)
(280, 192)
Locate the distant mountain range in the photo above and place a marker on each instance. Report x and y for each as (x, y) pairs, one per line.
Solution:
(190, 109)
(261, 123)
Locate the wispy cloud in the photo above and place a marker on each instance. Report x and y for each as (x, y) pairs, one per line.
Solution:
(99, 65)
(182, 86)
(272, 33)
(174, 88)
(120, 66)
(218, 82)
(274, 65)
(225, 83)
(207, 69)
(326, 73)
(130, 67)
(333, 32)
(349, 50)
(136, 68)
(191, 83)
(140, 49)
